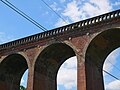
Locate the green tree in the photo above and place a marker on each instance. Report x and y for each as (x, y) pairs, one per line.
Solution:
(22, 88)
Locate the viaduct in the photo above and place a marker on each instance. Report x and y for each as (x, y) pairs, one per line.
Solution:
(90, 40)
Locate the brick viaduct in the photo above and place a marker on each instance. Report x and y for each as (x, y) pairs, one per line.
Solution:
(91, 40)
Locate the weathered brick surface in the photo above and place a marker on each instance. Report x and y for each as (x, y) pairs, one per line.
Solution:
(91, 44)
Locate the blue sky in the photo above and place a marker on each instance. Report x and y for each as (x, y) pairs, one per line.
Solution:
(111, 65)
(13, 26)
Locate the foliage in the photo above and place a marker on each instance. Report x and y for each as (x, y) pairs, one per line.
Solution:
(22, 88)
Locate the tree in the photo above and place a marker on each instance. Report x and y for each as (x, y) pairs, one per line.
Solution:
(22, 88)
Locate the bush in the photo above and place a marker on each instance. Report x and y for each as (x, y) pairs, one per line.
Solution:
(22, 88)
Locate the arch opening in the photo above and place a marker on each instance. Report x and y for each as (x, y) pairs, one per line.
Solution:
(48, 64)
(111, 65)
(23, 82)
(99, 48)
(11, 70)
(67, 75)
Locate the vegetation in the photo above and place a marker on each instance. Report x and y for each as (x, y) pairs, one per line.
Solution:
(22, 88)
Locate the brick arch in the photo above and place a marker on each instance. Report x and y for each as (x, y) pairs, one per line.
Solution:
(99, 48)
(12, 68)
(48, 63)
(40, 49)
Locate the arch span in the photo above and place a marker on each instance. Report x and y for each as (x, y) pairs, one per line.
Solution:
(48, 64)
(98, 49)
(11, 70)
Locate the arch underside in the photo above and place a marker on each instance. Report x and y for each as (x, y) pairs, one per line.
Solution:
(11, 71)
(48, 63)
(53, 56)
(99, 48)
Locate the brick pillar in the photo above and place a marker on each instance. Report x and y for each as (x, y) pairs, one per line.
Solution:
(89, 77)
(30, 79)
(81, 77)
(94, 76)
(42, 82)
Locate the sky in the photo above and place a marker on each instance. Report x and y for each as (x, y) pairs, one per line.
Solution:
(13, 26)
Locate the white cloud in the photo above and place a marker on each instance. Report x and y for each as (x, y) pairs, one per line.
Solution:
(4, 38)
(108, 66)
(72, 11)
(60, 22)
(102, 6)
(67, 75)
(116, 3)
(71, 63)
(114, 85)
(58, 88)
(24, 78)
(54, 6)
(62, 1)
(22, 81)
(77, 10)
(67, 78)
(110, 60)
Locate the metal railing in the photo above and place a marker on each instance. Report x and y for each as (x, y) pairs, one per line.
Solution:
(70, 27)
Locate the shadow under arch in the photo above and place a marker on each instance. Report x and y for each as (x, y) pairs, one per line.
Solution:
(99, 48)
(48, 64)
(11, 70)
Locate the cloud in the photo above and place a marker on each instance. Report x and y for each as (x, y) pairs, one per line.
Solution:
(93, 8)
(22, 81)
(111, 60)
(5, 38)
(60, 23)
(72, 11)
(108, 66)
(67, 75)
(54, 6)
(116, 3)
(114, 85)
(62, 1)
(76, 10)
(24, 78)
(102, 5)
(71, 63)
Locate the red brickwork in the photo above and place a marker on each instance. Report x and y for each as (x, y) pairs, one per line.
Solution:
(90, 40)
